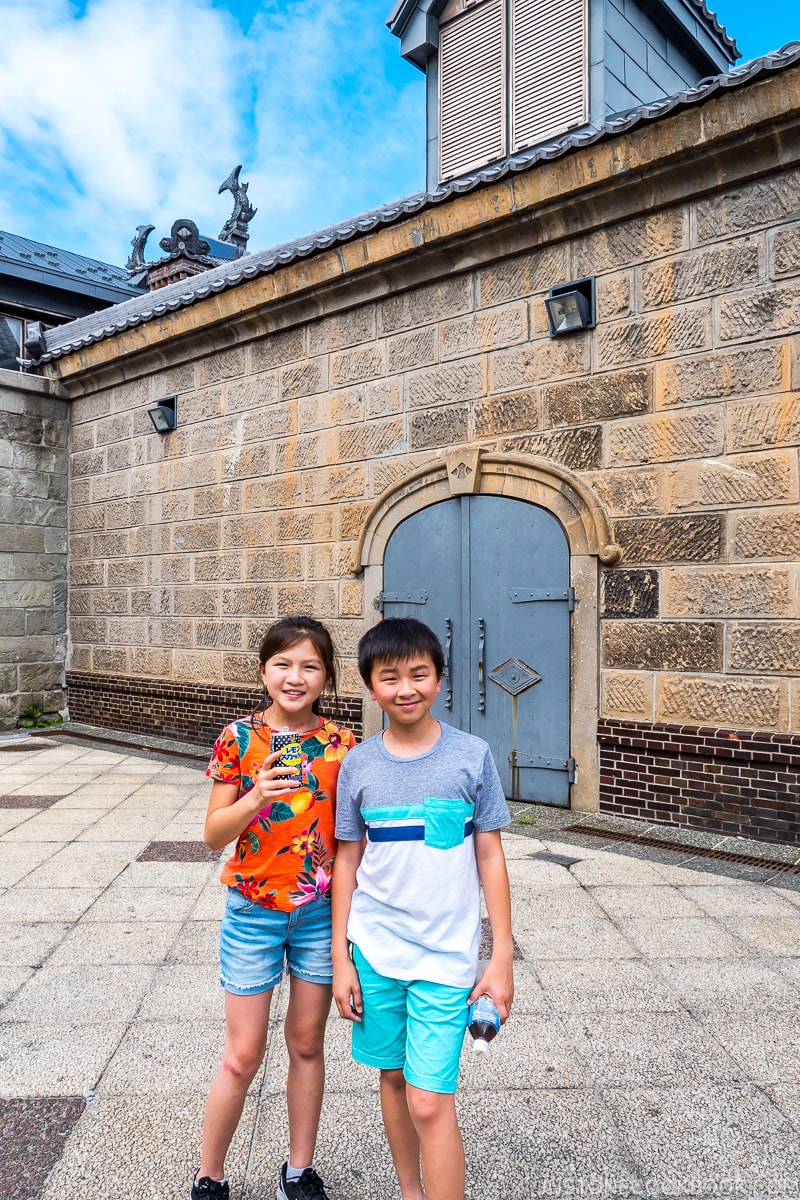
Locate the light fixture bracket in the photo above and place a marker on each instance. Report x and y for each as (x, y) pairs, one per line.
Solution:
(164, 414)
(571, 306)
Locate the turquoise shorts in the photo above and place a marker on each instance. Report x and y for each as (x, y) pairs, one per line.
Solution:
(410, 1025)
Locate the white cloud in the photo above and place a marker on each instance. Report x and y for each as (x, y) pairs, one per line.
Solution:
(136, 110)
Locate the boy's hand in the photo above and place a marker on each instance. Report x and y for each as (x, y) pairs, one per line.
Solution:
(347, 991)
(496, 981)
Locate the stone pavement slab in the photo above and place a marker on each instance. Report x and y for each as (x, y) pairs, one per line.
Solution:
(653, 1051)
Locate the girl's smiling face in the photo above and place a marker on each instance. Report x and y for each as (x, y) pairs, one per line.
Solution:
(294, 678)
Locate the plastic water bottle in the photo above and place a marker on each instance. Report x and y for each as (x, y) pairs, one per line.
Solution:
(483, 1023)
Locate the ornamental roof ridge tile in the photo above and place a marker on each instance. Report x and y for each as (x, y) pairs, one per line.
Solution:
(65, 339)
(714, 22)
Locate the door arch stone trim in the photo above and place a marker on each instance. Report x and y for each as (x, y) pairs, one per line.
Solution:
(526, 477)
(533, 480)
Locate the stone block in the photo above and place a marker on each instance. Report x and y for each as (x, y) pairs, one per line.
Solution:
(425, 305)
(214, 436)
(385, 473)
(580, 449)
(87, 462)
(769, 421)
(124, 455)
(168, 632)
(629, 593)
(662, 646)
(195, 601)
(667, 540)
(761, 313)
(202, 665)
(80, 602)
(240, 668)
(255, 530)
(538, 362)
(304, 379)
(110, 600)
(629, 491)
(127, 632)
(753, 371)
(521, 276)
(772, 647)
(113, 429)
(147, 661)
(215, 501)
(110, 660)
(41, 566)
(7, 453)
(387, 436)
(87, 574)
(329, 562)
(110, 545)
(770, 534)
(306, 450)
(439, 427)
(88, 630)
(268, 423)
(222, 365)
(40, 620)
(627, 694)
(723, 702)
(445, 384)
(639, 239)
(352, 518)
(316, 598)
(16, 510)
(195, 535)
(707, 271)
(177, 379)
(250, 394)
(350, 598)
(513, 412)
(617, 394)
(150, 539)
(40, 460)
(90, 408)
(784, 251)
(247, 461)
(263, 565)
(196, 471)
(55, 541)
(342, 329)
(278, 349)
(25, 538)
(383, 398)
(487, 330)
(125, 513)
(151, 602)
(672, 332)
(728, 592)
(330, 484)
(80, 658)
(614, 296)
(249, 600)
(211, 568)
(306, 525)
(20, 427)
(409, 350)
(205, 405)
(353, 366)
(763, 202)
(41, 648)
(337, 408)
(16, 482)
(12, 623)
(742, 479)
(665, 438)
(8, 676)
(219, 635)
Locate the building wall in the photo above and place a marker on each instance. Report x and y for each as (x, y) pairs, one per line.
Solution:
(33, 545)
(680, 410)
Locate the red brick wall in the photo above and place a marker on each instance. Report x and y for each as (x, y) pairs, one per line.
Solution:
(731, 781)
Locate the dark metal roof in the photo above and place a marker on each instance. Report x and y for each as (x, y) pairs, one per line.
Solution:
(100, 325)
(21, 258)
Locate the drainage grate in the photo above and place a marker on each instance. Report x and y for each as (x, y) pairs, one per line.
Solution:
(187, 852)
(28, 801)
(641, 839)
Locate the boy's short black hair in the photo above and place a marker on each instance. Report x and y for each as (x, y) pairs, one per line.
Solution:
(396, 640)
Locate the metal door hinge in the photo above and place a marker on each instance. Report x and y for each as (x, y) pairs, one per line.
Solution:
(385, 598)
(540, 595)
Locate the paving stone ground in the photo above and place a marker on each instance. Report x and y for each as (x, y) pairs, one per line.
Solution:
(653, 1051)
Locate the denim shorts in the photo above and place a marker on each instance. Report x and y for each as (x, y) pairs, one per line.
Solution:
(254, 943)
(410, 1025)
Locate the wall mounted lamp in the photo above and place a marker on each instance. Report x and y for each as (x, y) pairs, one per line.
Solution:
(165, 414)
(571, 306)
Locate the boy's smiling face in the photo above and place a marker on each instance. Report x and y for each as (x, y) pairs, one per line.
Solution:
(406, 690)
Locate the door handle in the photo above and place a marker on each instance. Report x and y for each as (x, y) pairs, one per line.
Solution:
(448, 664)
(481, 652)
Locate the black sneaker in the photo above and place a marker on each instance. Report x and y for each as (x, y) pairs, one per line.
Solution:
(308, 1187)
(210, 1189)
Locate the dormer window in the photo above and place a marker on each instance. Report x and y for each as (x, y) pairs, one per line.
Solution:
(512, 73)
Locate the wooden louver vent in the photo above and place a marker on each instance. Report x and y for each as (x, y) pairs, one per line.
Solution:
(472, 89)
(549, 83)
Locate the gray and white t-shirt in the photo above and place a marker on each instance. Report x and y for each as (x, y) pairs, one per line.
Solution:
(416, 908)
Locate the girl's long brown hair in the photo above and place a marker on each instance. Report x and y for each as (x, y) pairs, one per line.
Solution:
(289, 631)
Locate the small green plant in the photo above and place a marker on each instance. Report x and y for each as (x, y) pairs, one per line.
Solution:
(526, 818)
(34, 717)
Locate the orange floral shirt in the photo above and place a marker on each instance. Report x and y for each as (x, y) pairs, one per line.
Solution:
(284, 858)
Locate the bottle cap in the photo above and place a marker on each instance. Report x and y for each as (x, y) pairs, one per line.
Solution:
(480, 1048)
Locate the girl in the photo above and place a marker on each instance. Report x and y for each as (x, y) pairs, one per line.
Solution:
(278, 901)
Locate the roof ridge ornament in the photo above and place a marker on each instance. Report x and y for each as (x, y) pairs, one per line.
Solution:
(235, 231)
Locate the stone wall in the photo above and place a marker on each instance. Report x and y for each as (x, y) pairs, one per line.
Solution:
(33, 545)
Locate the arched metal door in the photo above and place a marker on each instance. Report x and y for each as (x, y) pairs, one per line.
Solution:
(491, 576)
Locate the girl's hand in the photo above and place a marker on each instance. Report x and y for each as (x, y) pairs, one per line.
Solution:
(272, 783)
(347, 991)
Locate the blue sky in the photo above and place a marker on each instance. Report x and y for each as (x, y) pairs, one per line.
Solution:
(115, 113)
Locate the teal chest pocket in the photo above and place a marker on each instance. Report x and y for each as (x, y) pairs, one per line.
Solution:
(444, 822)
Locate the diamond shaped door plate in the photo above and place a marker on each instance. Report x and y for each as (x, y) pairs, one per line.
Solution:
(514, 676)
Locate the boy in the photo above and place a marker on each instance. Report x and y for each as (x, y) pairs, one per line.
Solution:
(419, 812)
